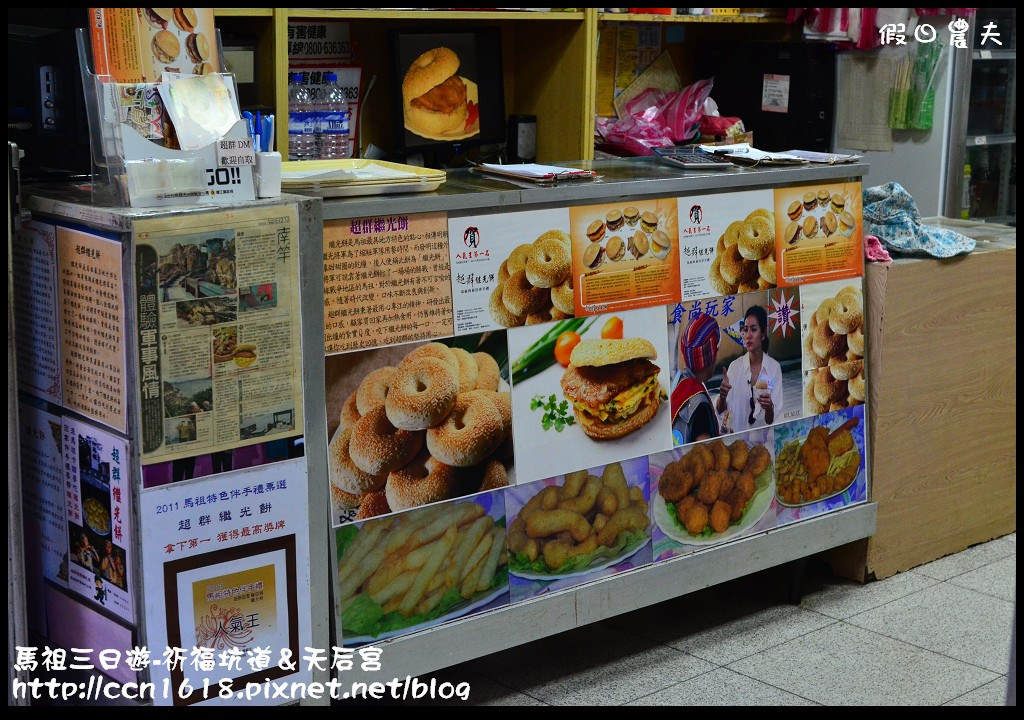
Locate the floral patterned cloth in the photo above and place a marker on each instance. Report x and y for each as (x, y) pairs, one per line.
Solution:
(891, 214)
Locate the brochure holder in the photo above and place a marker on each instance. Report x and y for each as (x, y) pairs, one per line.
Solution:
(130, 170)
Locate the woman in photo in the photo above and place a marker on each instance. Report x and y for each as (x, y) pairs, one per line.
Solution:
(751, 389)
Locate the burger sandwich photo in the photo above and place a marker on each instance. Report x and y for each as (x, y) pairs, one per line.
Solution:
(435, 99)
(613, 386)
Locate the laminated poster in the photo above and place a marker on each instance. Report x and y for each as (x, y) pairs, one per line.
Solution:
(464, 571)
(599, 395)
(36, 322)
(409, 425)
(614, 535)
(727, 244)
(227, 565)
(98, 502)
(833, 346)
(92, 329)
(818, 232)
(510, 269)
(821, 464)
(44, 519)
(625, 256)
(387, 280)
(218, 331)
(712, 492)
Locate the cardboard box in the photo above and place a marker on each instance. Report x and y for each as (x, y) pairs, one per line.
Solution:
(943, 410)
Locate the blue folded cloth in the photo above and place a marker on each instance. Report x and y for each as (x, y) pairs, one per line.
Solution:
(891, 213)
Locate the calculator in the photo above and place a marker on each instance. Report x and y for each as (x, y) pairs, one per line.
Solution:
(693, 158)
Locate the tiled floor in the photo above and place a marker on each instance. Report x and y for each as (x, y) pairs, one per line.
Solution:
(938, 634)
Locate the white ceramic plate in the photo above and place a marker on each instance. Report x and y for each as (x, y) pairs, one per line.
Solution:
(760, 504)
(586, 571)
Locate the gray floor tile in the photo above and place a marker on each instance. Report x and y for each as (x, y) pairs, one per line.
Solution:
(721, 629)
(845, 665)
(953, 621)
(721, 686)
(595, 665)
(998, 579)
(839, 598)
(993, 693)
(970, 559)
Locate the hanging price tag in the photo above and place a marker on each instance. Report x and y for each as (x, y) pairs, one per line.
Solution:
(235, 153)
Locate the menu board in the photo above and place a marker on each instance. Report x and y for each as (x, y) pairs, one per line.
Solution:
(625, 255)
(667, 390)
(227, 565)
(819, 232)
(386, 281)
(218, 331)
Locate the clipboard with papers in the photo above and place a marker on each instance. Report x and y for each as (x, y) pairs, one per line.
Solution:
(536, 173)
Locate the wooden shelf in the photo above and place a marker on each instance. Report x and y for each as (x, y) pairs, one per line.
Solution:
(725, 19)
(431, 15)
(243, 12)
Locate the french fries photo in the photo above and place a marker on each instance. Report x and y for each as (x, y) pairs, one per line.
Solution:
(587, 521)
(399, 572)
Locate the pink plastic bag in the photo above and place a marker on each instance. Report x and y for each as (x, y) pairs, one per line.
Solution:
(657, 119)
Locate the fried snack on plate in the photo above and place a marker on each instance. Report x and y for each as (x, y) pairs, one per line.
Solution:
(557, 552)
(573, 484)
(584, 503)
(625, 520)
(549, 522)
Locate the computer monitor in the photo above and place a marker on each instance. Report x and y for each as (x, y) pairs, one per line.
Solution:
(447, 89)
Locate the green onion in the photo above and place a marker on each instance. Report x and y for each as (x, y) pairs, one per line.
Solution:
(541, 354)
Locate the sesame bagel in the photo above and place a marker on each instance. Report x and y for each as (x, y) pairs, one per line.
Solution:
(373, 390)
(828, 344)
(811, 404)
(518, 258)
(502, 402)
(378, 447)
(349, 412)
(489, 375)
(471, 432)
(424, 480)
(468, 371)
(757, 238)
(558, 235)
(547, 263)
(856, 387)
(813, 359)
(372, 505)
(422, 394)
(435, 350)
(495, 476)
(503, 271)
(766, 268)
(561, 296)
(732, 233)
(718, 283)
(595, 353)
(846, 315)
(342, 500)
(499, 312)
(827, 389)
(731, 265)
(845, 368)
(855, 341)
(521, 297)
(344, 473)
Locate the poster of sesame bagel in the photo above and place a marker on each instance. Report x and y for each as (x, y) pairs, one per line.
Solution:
(510, 269)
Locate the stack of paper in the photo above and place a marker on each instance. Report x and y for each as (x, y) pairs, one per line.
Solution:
(537, 173)
(334, 178)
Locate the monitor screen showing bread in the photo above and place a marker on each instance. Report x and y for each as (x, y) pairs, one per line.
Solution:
(449, 87)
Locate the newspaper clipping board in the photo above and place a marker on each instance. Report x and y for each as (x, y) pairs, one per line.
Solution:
(218, 331)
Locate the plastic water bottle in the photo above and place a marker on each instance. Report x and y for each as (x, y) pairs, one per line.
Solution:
(333, 114)
(301, 120)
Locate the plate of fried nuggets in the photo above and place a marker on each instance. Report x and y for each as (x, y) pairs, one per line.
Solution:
(436, 563)
(714, 491)
(584, 525)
